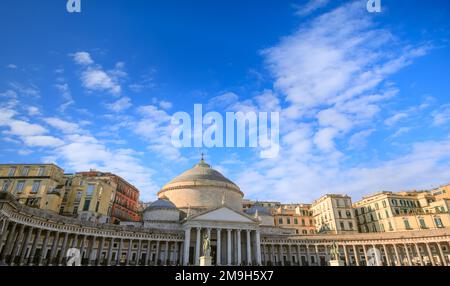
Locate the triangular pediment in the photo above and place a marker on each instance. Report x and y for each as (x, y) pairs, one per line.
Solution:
(222, 214)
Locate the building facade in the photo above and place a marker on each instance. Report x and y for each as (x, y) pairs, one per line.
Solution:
(35, 185)
(202, 202)
(334, 214)
(393, 212)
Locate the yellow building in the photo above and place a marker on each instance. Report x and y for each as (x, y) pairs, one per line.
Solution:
(88, 197)
(403, 211)
(334, 214)
(295, 216)
(35, 185)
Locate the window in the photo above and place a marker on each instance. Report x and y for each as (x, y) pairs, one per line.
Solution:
(90, 190)
(384, 204)
(422, 223)
(381, 227)
(11, 171)
(407, 225)
(390, 226)
(25, 171)
(97, 206)
(350, 225)
(19, 187)
(342, 225)
(288, 221)
(86, 205)
(36, 186)
(5, 186)
(438, 222)
(78, 197)
(41, 171)
(303, 222)
(295, 221)
(280, 221)
(349, 214)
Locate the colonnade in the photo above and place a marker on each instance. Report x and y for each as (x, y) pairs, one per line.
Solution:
(231, 246)
(412, 253)
(27, 245)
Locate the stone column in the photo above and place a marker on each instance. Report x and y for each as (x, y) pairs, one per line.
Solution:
(119, 252)
(317, 254)
(399, 263)
(365, 255)
(443, 259)
(100, 250)
(54, 247)
(23, 249)
(249, 249)
(130, 248)
(44, 247)
(299, 256)
(238, 242)
(91, 244)
(419, 254)
(138, 255)
(388, 259)
(197, 247)
(180, 254)
(218, 247)
(4, 233)
(16, 243)
(157, 252)
(356, 254)
(281, 252)
(407, 254)
(258, 248)
(289, 251)
(110, 250)
(229, 247)
(187, 244)
(430, 254)
(308, 258)
(63, 248)
(37, 237)
(149, 253)
(347, 261)
(166, 253)
(83, 247)
(8, 243)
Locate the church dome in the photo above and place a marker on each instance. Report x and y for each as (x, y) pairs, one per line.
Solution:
(201, 171)
(161, 204)
(201, 188)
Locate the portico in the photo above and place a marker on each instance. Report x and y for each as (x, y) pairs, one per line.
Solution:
(235, 237)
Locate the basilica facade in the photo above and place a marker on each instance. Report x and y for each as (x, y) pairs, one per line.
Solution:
(201, 202)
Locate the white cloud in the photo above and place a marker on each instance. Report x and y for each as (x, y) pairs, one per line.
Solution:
(33, 111)
(12, 66)
(64, 89)
(395, 118)
(95, 79)
(441, 116)
(62, 125)
(165, 104)
(120, 105)
(23, 128)
(311, 6)
(82, 58)
(42, 141)
(333, 73)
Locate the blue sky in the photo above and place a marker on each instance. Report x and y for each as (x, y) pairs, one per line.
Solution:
(363, 98)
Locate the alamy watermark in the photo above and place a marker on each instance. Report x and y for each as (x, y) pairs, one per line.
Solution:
(374, 6)
(237, 129)
(73, 6)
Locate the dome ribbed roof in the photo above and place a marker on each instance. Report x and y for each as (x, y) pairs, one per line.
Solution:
(201, 171)
(261, 210)
(161, 204)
